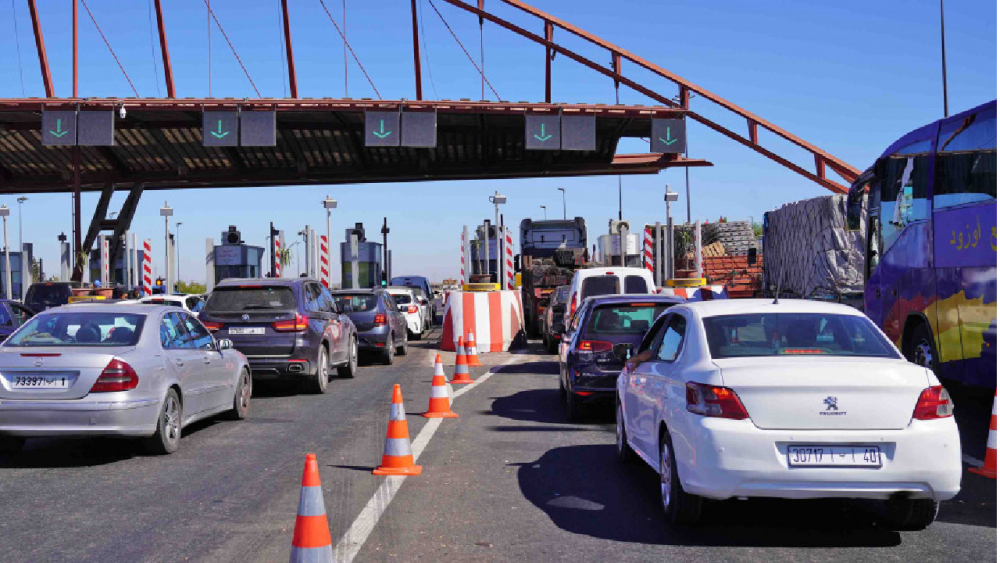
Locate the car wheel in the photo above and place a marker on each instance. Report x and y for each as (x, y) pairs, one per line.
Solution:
(404, 348)
(678, 506)
(573, 407)
(625, 453)
(241, 399)
(348, 370)
(11, 444)
(321, 380)
(911, 514)
(390, 351)
(167, 437)
(418, 335)
(920, 348)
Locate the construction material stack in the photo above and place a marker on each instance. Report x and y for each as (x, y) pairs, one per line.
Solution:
(736, 237)
(551, 252)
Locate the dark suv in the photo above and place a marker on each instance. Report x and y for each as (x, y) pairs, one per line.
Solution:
(381, 327)
(287, 328)
(45, 295)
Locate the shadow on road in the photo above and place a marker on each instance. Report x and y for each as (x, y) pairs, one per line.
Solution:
(540, 368)
(70, 452)
(546, 405)
(626, 508)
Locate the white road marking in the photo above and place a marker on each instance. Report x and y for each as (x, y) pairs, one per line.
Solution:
(972, 461)
(354, 539)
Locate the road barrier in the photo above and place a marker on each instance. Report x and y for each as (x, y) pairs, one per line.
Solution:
(461, 376)
(147, 267)
(439, 405)
(397, 457)
(472, 351)
(495, 317)
(324, 261)
(508, 250)
(311, 539)
(647, 251)
(989, 468)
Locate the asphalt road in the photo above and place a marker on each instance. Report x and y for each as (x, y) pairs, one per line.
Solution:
(509, 480)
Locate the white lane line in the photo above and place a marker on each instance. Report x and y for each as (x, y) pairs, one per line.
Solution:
(354, 539)
(972, 461)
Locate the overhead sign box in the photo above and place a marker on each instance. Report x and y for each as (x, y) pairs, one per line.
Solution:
(257, 129)
(382, 129)
(95, 128)
(579, 133)
(541, 132)
(668, 136)
(419, 129)
(58, 128)
(220, 129)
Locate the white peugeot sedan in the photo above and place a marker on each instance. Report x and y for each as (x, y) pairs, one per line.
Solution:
(790, 399)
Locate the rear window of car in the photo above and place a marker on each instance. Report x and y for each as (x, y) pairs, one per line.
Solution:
(623, 318)
(599, 285)
(228, 299)
(794, 334)
(170, 302)
(635, 285)
(79, 329)
(401, 298)
(46, 293)
(358, 302)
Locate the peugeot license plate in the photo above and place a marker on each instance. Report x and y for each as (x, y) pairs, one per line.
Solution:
(246, 330)
(834, 456)
(40, 382)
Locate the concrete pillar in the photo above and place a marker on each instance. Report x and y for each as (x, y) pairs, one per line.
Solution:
(64, 261)
(353, 247)
(209, 264)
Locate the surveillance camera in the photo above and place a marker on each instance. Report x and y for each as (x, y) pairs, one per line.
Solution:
(121, 112)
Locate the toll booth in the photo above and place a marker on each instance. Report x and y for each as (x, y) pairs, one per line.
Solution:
(236, 259)
(16, 273)
(116, 275)
(370, 262)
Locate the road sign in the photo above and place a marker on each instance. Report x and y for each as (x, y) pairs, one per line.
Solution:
(579, 133)
(419, 129)
(95, 128)
(668, 136)
(257, 129)
(58, 128)
(220, 129)
(382, 129)
(541, 132)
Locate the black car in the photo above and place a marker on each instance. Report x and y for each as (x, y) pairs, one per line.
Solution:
(287, 328)
(604, 332)
(12, 315)
(381, 326)
(45, 295)
(552, 321)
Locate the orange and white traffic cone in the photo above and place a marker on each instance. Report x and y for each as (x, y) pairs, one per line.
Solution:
(397, 457)
(472, 351)
(311, 539)
(439, 405)
(989, 468)
(461, 365)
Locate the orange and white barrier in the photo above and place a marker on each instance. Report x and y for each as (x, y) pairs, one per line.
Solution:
(703, 293)
(647, 251)
(496, 318)
(324, 261)
(508, 250)
(311, 538)
(147, 267)
(277, 256)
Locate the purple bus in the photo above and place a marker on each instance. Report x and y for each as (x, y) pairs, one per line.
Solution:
(931, 244)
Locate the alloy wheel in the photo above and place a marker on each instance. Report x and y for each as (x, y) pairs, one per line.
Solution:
(172, 419)
(666, 475)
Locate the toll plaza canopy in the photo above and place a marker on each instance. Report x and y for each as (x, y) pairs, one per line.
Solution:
(162, 142)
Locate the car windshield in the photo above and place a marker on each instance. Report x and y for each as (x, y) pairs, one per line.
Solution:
(599, 285)
(358, 302)
(794, 334)
(622, 318)
(71, 328)
(401, 298)
(249, 298)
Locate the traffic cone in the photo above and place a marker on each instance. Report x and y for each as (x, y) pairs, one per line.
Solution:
(311, 539)
(472, 351)
(397, 457)
(439, 405)
(461, 365)
(989, 468)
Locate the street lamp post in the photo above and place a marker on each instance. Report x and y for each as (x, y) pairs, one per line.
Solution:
(668, 270)
(20, 240)
(545, 212)
(167, 212)
(497, 201)
(330, 204)
(5, 212)
(563, 190)
(177, 243)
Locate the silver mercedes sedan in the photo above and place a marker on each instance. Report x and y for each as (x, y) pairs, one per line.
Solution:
(119, 370)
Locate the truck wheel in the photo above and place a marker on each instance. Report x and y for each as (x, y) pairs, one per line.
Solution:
(920, 348)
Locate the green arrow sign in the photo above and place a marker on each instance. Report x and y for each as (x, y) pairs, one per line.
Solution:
(543, 136)
(59, 132)
(668, 141)
(381, 133)
(220, 134)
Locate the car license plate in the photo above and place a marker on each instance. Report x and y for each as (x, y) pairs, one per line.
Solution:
(246, 330)
(40, 382)
(834, 456)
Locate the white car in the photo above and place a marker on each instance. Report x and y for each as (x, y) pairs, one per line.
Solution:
(409, 304)
(190, 303)
(789, 399)
(611, 280)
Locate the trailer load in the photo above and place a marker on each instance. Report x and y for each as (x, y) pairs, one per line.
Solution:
(551, 252)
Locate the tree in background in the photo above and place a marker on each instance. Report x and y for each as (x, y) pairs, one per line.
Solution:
(190, 287)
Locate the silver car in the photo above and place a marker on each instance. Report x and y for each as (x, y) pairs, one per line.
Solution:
(119, 370)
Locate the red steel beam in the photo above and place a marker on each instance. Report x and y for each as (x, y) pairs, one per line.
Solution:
(168, 69)
(293, 84)
(548, 64)
(43, 59)
(416, 51)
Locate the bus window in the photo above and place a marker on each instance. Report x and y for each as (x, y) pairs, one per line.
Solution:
(966, 167)
(903, 181)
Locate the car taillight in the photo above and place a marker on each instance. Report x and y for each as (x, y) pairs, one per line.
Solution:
(572, 305)
(934, 402)
(299, 324)
(412, 309)
(380, 320)
(117, 376)
(595, 346)
(709, 400)
(212, 326)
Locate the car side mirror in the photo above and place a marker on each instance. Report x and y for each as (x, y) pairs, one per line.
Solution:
(225, 344)
(623, 351)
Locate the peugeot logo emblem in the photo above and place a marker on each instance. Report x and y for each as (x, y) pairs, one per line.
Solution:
(39, 362)
(246, 317)
(831, 403)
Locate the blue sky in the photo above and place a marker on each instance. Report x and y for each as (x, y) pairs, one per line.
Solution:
(849, 77)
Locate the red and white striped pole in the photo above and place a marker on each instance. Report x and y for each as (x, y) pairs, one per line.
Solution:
(147, 267)
(277, 256)
(462, 272)
(324, 261)
(647, 251)
(509, 258)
